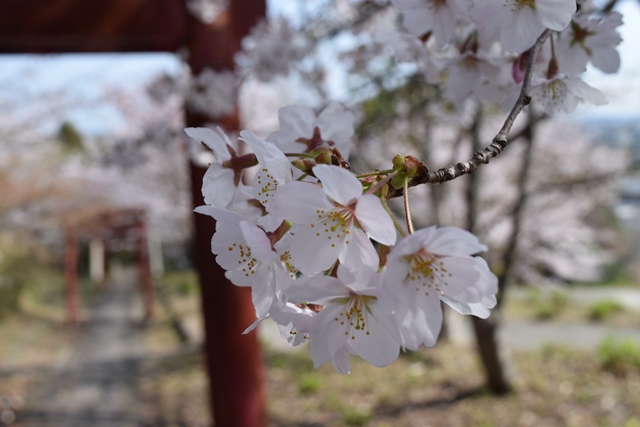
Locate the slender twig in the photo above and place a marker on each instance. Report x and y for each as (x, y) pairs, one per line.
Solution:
(500, 141)
(374, 173)
(510, 254)
(407, 213)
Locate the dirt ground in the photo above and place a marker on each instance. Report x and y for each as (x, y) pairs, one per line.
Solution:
(555, 385)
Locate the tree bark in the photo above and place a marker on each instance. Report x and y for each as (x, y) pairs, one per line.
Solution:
(497, 367)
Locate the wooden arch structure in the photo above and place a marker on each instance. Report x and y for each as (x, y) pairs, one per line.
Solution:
(106, 226)
(81, 26)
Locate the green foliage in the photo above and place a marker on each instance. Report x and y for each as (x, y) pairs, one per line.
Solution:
(182, 282)
(309, 383)
(619, 356)
(560, 352)
(23, 276)
(14, 275)
(547, 305)
(602, 310)
(10, 291)
(633, 422)
(355, 417)
(69, 138)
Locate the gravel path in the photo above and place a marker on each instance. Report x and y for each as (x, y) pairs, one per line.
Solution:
(530, 334)
(97, 385)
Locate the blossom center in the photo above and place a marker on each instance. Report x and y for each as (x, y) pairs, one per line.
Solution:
(285, 258)
(246, 262)
(521, 4)
(315, 141)
(555, 90)
(469, 64)
(335, 224)
(354, 315)
(426, 271)
(267, 184)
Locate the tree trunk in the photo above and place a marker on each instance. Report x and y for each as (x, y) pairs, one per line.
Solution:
(496, 364)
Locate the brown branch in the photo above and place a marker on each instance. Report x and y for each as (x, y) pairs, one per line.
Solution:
(500, 141)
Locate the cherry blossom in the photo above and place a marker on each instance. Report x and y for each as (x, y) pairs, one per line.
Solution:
(334, 222)
(272, 49)
(301, 131)
(222, 185)
(293, 322)
(431, 16)
(301, 236)
(588, 39)
(351, 321)
(250, 258)
(516, 24)
(213, 93)
(562, 94)
(464, 74)
(274, 170)
(430, 265)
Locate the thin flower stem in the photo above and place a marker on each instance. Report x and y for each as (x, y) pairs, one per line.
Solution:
(393, 218)
(374, 173)
(407, 213)
(306, 155)
(382, 182)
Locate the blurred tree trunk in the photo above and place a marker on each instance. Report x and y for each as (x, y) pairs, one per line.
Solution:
(497, 367)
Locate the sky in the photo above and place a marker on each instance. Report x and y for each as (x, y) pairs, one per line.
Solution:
(87, 76)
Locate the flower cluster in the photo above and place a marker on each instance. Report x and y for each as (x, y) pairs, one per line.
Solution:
(480, 48)
(473, 48)
(321, 251)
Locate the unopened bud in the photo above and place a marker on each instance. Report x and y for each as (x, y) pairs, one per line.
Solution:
(519, 67)
(398, 161)
(305, 165)
(411, 166)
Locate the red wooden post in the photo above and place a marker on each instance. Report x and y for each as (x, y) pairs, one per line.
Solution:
(233, 360)
(144, 270)
(105, 259)
(71, 276)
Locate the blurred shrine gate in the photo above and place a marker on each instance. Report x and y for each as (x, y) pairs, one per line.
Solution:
(80, 26)
(105, 226)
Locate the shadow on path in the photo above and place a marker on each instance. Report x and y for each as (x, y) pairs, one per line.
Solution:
(97, 385)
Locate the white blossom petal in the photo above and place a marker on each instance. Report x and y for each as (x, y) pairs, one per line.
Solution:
(299, 202)
(213, 140)
(338, 183)
(375, 220)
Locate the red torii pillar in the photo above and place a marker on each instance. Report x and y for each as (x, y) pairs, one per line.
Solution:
(144, 269)
(72, 298)
(56, 26)
(227, 309)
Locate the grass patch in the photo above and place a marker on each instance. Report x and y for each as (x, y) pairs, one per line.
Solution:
(602, 310)
(181, 282)
(355, 417)
(619, 356)
(309, 382)
(548, 305)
